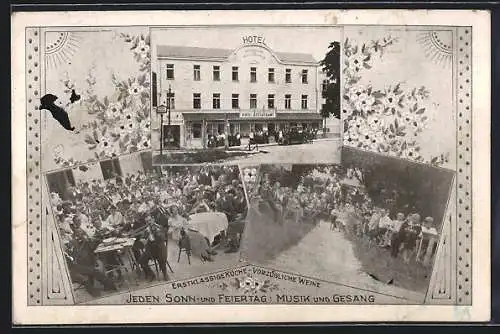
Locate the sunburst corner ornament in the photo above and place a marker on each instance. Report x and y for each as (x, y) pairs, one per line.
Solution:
(438, 46)
(60, 46)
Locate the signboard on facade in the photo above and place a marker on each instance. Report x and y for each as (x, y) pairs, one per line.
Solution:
(161, 109)
(258, 114)
(254, 40)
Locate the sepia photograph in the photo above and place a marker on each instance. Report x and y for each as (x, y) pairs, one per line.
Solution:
(124, 224)
(371, 222)
(245, 94)
(185, 166)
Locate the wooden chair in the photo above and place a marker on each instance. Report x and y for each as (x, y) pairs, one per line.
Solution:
(184, 246)
(118, 270)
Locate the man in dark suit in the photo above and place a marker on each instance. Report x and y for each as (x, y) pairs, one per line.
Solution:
(155, 249)
(204, 177)
(82, 263)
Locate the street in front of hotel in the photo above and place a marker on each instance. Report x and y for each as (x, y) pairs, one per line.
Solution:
(320, 151)
(324, 150)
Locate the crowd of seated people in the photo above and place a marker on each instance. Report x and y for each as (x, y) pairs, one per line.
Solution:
(391, 225)
(151, 208)
(325, 193)
(400, 234)
(309, 200)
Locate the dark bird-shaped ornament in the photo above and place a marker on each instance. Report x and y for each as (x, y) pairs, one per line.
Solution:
(74, 96)
(59, 114)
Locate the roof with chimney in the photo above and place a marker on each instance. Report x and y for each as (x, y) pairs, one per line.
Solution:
(171, 51)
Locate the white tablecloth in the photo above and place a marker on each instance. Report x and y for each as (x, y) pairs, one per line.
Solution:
(209, 224)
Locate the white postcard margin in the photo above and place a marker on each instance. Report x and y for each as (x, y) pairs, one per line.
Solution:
(480, 309)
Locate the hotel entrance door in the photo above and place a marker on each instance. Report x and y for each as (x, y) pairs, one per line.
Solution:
(271, 129)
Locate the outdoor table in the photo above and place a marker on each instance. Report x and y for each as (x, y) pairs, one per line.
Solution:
(116, 247)
(208, 224)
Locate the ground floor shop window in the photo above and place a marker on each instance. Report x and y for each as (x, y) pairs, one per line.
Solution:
(234, 128)
(221, 128)
(213, 128)
(196, 130)
(171, 135)
(244, 129)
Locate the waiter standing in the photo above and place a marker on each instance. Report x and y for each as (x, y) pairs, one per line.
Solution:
(155, 249)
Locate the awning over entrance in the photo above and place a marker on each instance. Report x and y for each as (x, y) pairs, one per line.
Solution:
(209, 116)
(298, 116)
(232, 116)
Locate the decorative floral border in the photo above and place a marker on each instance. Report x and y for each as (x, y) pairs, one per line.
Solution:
(248, 285)
(37, 267)
(387, 119)
(120, 123)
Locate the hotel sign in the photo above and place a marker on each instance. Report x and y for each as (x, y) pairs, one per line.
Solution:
(254, 40)
(258, 114)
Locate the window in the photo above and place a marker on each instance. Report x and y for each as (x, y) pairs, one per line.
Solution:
(288, 101)
(270, 75)
(304, 102)
(170, 71)
(270, 101)
(111, 168)
(288, 75)
(235, 101)
(196, 73)
(216, 73)
(235, 73)
(171, 100)
(253, 74)
(196, 101)
(304, 76)
(216, 101)
(196, 130)
(253, 101)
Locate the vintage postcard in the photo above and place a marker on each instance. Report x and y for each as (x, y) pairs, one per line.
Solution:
(250, 166)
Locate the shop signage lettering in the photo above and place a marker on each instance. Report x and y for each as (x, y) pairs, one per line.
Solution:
(258, 114)
(254, 40)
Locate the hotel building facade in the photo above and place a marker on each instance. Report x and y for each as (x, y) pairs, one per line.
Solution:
(248, 89)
